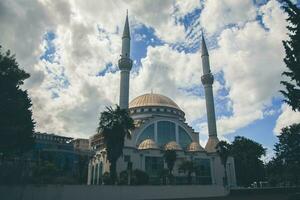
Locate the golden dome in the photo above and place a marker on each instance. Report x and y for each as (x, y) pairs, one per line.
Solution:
(172, 146)
(195, 146)
(147, 144)
(153, 100)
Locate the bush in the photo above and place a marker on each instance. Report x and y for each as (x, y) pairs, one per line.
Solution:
(139, 177)
(123, 180)
(106, 179)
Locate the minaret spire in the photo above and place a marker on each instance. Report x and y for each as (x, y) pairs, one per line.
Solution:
(126, 31)
(207, 80)
(125, 65)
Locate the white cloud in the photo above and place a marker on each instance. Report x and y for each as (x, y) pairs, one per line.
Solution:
(166, 77)
(286, 118)
(251, 59)
(217, 14)
(249, 55)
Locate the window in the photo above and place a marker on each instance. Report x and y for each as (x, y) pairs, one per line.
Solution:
(184, 138)
(203, 173)
(165, 132)
(153, 165)
(148, 133)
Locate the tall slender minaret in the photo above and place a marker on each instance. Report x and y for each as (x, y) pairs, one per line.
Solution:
(207, 80)
(125, 65)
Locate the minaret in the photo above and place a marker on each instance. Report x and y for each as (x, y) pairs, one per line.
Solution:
(207, 80)
(125, 65)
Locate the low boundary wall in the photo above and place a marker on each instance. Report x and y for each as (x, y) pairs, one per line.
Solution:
(94, 192)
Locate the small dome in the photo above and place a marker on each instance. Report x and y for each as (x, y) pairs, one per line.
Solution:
(172, 146)
(147, 144)
(194, 146)
(153, 100)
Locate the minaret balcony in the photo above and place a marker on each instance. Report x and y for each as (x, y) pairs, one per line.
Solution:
(207, 79)
(125, 63)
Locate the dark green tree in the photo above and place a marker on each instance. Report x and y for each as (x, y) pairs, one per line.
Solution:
(189, 168)
(247, 158)
(224, 150)
(16, 124)
(115, 125)
(170, 157)
(287, 155)
(292, 59)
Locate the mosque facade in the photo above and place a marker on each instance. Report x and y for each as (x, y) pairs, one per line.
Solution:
(160, 125)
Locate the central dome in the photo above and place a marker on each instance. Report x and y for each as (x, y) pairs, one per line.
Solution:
(153, 100)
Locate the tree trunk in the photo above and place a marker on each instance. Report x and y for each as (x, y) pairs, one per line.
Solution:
(113, 171)
(189, 177)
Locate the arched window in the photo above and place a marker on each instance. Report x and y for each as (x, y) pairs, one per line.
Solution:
(148, 133)
(184, 138)
(165, 132)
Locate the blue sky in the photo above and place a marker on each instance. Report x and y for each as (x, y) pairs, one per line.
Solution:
(71, 50)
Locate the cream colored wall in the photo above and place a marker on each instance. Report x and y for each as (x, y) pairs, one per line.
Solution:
(137, 157)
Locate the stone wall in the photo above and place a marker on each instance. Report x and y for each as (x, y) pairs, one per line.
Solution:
(81, 192)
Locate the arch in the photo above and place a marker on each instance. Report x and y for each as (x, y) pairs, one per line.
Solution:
(155, 122)
(147, 133)
(184, 139)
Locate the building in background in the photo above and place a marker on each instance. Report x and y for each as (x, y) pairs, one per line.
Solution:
(68, 155)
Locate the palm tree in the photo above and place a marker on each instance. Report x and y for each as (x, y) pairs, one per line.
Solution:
(170, 157)
(224, 150)
(188, 167)
(114, 126)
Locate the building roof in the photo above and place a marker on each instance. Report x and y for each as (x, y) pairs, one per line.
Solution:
(147, 144)
(195, 146)
(152, 99)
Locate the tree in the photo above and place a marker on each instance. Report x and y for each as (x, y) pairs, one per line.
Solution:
(114, 126)
(292, 58)
(247, 158)
(170, 157)
(16, 124)
(287, 155)
(189, 168)
(224, 151)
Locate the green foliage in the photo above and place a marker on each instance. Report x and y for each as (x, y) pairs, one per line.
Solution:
(16, 124)
(139, 177)
(285, 166)
(188, 167)
(123, 178)
(170, 157)
(224, 151)
(46, 172)
(248, 166)
(163, 174)
(292, 58)
(106, 177)
(115, 125)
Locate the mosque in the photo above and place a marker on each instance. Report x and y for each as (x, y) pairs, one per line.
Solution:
(160, 125)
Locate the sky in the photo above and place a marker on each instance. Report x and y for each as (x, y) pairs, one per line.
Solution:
(71, 49)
